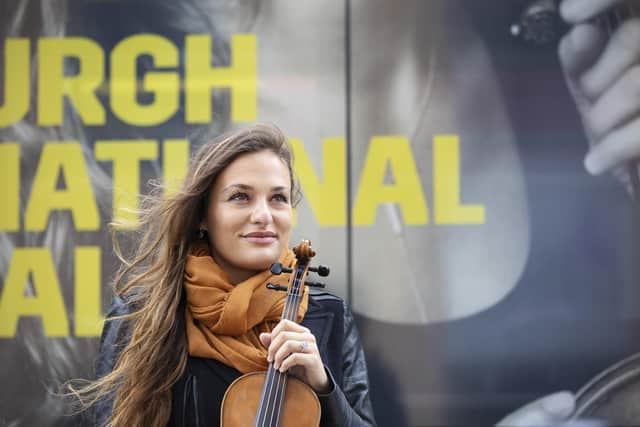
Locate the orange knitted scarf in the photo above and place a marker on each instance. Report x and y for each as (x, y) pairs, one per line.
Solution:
(224, 321)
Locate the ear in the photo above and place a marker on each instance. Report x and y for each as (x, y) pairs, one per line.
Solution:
(203, 224)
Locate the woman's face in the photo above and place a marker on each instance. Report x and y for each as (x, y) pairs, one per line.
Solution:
(249, 214)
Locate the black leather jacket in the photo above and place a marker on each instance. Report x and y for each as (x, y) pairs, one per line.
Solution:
(328, 318)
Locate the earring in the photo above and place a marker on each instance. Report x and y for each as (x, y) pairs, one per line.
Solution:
(202, 233)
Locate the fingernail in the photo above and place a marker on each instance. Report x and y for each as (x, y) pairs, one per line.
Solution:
(593, 164)
(568, 10)
(559, 404)
(563, 8)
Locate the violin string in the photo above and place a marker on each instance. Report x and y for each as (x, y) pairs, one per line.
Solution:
(292, 315)
(260, 416)
(267, 407)
(276, 393)
(292, 309)
(276, 387)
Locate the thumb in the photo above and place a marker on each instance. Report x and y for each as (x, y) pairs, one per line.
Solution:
(265, 339)
(544, 411)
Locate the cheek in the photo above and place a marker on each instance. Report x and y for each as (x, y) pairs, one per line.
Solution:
(223, 220)
(285, 221)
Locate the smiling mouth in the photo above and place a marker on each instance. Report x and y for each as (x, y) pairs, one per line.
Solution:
(261, 237)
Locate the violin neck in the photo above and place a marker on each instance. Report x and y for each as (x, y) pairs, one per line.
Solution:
(294, 295)
(275, 382)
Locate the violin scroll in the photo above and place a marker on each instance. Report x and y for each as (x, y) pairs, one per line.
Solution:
(303, 251)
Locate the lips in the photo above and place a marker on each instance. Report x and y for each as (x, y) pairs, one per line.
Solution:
(261, 237)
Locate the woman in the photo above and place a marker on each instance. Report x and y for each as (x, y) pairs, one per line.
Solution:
(192, 312)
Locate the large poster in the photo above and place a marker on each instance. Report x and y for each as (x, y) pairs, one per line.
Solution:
(440, 146)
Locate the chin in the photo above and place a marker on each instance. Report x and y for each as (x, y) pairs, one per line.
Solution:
(262, 262)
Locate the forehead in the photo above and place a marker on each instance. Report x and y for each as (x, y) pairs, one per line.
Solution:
(261, 168)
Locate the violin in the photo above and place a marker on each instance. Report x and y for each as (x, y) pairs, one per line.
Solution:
(613, 395)
(274, 398)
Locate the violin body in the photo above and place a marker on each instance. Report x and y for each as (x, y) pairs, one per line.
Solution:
(613, 396)
(301, 405)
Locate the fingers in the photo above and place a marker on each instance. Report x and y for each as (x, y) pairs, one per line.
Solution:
(286, 338)
(575, 11)
(603, 75)
(616, 106)
(293, 347)
(580, 48)
(287, 342)
(265, 339)
(291, 354)
(619, 146)
(622, 52)
(592, 62)
(288, 325)
(548, 410)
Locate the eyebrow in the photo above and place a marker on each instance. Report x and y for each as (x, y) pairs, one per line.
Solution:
(246, 187)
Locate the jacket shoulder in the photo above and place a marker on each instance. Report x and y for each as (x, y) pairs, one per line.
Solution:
(323, 296)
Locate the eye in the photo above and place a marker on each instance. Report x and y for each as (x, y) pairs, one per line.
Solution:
(279, 197)
(239, 196)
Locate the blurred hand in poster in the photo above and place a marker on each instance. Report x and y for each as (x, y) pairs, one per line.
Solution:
(600, 58)
(551, 410)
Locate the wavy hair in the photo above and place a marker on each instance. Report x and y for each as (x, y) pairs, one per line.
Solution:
(151, 283)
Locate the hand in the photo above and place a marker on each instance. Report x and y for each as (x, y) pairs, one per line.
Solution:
(293, 347)
(550, 410)
(603, 74)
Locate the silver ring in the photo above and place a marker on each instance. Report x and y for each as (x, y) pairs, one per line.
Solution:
(303, 346)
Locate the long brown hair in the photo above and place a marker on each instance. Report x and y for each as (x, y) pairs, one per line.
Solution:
(151, 283)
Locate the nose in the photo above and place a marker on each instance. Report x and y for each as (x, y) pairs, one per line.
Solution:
(261, 213)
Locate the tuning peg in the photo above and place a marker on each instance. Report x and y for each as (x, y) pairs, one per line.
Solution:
(275, 287)
(315, 284)
(277, 268)
(539, 24)
(322, 270)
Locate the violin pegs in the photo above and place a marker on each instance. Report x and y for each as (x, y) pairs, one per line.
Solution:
(539, 24)
(315, 284)
(277, 268)
(322, 270)
(275, 287)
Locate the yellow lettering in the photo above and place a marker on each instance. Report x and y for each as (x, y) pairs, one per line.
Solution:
(327, 197)
(124, 82)
(16, 81)
(446, 184)
(87, 304)
(10, 189)
(175, 158)
(53, 84)
(126, 157)
(42, 298)
(66, 160)
(406, 190)
(240, 77)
